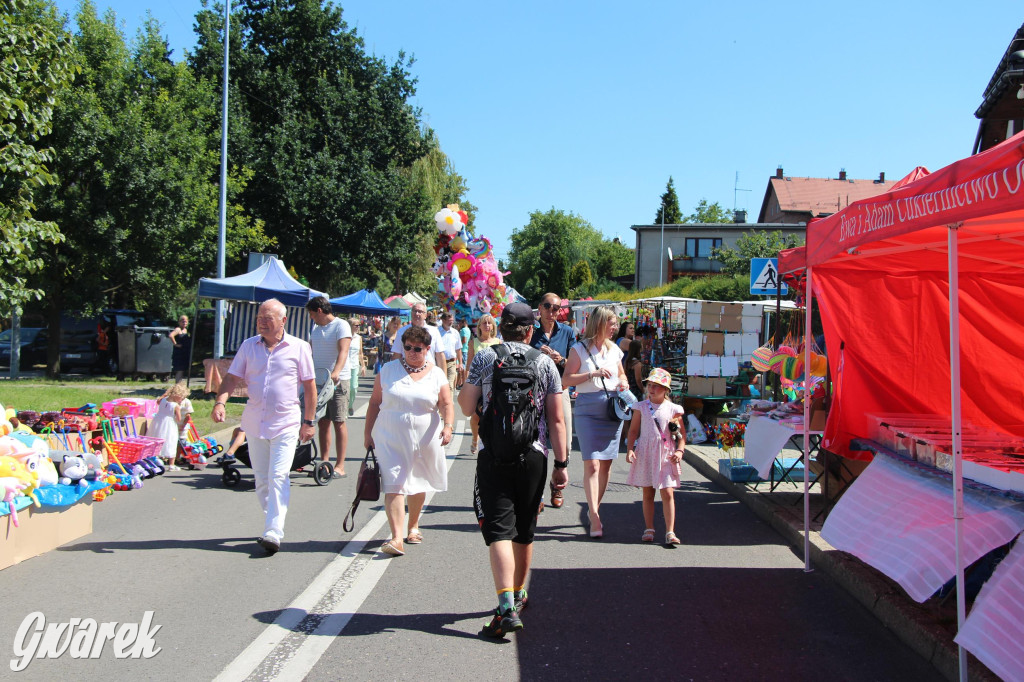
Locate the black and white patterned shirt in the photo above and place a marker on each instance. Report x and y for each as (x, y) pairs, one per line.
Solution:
(550, 383)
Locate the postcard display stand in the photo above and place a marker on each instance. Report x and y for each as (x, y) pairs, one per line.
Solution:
(719, 339)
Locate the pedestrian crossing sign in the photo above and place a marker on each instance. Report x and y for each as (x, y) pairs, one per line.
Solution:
(764, 278)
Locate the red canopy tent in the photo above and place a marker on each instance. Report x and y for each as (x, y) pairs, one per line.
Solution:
(934, 264)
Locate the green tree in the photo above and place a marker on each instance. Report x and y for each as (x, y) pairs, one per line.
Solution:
(35, 65)
(709, 213)
(136, 157)
(330, 135)
(670, 204)
(543, 251)
(760, 244)
(613, 259)
(579, 278)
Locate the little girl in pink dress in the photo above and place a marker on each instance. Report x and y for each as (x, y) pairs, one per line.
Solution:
(654, 464)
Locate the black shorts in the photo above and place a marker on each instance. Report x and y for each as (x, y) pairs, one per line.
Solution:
(506, 499)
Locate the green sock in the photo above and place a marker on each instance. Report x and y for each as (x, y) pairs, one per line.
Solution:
(506, 600)
(521, 594)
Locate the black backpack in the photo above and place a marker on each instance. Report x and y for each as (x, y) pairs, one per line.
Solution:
(511, 422)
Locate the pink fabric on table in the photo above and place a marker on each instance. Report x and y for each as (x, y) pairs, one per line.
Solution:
(273, 379)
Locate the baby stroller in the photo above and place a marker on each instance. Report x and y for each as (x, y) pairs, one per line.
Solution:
(305, 453)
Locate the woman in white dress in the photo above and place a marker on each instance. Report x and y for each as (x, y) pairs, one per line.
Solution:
(409, 420)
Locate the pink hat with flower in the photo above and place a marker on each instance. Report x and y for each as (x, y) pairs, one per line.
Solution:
(660, 376)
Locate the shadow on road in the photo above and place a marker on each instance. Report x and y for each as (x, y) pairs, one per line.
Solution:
(704, 624)
(246, 545)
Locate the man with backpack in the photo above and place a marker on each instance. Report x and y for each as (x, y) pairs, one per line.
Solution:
(518, 392)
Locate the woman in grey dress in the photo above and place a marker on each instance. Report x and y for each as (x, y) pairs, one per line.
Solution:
(595, 364)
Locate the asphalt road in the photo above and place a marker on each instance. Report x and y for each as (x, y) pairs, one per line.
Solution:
(731, 603)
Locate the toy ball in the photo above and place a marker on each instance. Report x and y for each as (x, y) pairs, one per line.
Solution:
(819, 365)
(775, 362)
(761, 358)
(792, 368)
(786, 350)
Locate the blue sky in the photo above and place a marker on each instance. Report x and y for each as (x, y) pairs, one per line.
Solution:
(589, 107)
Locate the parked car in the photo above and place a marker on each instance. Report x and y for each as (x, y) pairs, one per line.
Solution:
(33, 341)
(79, 348)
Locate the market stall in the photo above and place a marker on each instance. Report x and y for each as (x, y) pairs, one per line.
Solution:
(920, 293)
(246, 292)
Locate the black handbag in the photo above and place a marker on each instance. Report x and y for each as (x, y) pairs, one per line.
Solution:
(367, 488)
(615, 408)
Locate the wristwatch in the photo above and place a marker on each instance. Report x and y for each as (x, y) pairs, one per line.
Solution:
(562, 465)
(308, 422)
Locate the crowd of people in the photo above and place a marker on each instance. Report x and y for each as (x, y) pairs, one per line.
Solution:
(512, 379)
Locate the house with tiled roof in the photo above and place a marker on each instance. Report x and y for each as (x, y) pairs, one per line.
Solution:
(796, 200)
(1001, 114)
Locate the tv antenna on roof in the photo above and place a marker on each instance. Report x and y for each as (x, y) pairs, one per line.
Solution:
(736, 188)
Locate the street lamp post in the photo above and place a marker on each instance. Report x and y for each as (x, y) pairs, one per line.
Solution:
(661, 253)
(218, 323)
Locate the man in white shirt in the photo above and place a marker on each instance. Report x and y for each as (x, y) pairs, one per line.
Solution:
(451, 346)
(330, 340)
(419, 319)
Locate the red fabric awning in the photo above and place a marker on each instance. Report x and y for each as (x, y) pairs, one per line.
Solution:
(883, 292)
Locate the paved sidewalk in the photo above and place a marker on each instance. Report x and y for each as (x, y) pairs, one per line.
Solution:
(926, 628)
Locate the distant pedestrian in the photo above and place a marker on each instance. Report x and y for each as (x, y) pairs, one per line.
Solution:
(418, 315)
(464, 335)
(486, 336)
(181, 353)
(356, 362)
(654, 463)
(451, 346)
(507, 494)
(330, 341)
(273, 364)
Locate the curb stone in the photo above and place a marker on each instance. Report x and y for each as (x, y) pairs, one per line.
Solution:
(910, 622)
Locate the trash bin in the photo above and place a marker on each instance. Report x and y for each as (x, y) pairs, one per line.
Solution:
(144, 350)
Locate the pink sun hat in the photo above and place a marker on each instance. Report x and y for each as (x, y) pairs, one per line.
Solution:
(661, 377)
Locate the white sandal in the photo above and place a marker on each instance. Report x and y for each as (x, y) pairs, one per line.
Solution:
(648, 535)
(671, 539)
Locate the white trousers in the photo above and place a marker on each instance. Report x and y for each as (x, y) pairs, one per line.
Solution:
(271, 462)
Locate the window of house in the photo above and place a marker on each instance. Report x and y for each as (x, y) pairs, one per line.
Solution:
(701, 248)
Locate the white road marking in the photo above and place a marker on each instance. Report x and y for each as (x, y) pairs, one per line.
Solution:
(334, 594)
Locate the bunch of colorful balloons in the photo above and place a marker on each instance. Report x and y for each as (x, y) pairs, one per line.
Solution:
(469, 282)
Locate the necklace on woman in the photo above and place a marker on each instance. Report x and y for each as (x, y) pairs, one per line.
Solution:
(412, 370)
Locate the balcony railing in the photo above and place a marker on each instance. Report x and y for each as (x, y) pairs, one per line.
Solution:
(694, 264)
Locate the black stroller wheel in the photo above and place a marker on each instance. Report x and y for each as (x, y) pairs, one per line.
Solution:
(323, 472)
(231, 477)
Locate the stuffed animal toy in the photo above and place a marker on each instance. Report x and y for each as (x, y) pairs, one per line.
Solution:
(93, 465)
(10, 491)
(41, 466)
(14, 472)
(73, 470)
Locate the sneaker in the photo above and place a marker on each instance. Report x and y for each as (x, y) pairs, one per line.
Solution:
(521, 603)
(502, 623)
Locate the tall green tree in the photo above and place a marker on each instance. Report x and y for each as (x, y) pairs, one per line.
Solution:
(35, 65)
(613, 259)
(760, 244)
(137, 198)
(668, 208)
(709, 213)
(330, 135)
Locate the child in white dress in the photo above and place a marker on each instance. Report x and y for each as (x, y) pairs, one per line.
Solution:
(168, 422)
(654, 463)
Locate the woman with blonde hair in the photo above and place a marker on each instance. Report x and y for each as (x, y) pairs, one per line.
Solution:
(486, 336)
(594, 367)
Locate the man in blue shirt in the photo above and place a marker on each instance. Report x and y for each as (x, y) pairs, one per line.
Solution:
(554, 339)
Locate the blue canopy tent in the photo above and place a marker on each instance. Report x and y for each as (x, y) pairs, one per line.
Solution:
(364, 302)
(270, 280)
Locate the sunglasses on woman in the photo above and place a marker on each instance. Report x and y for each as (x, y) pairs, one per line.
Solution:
(413, 349)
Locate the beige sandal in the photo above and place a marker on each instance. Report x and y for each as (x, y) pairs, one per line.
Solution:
(391, 550)
(415, 537)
